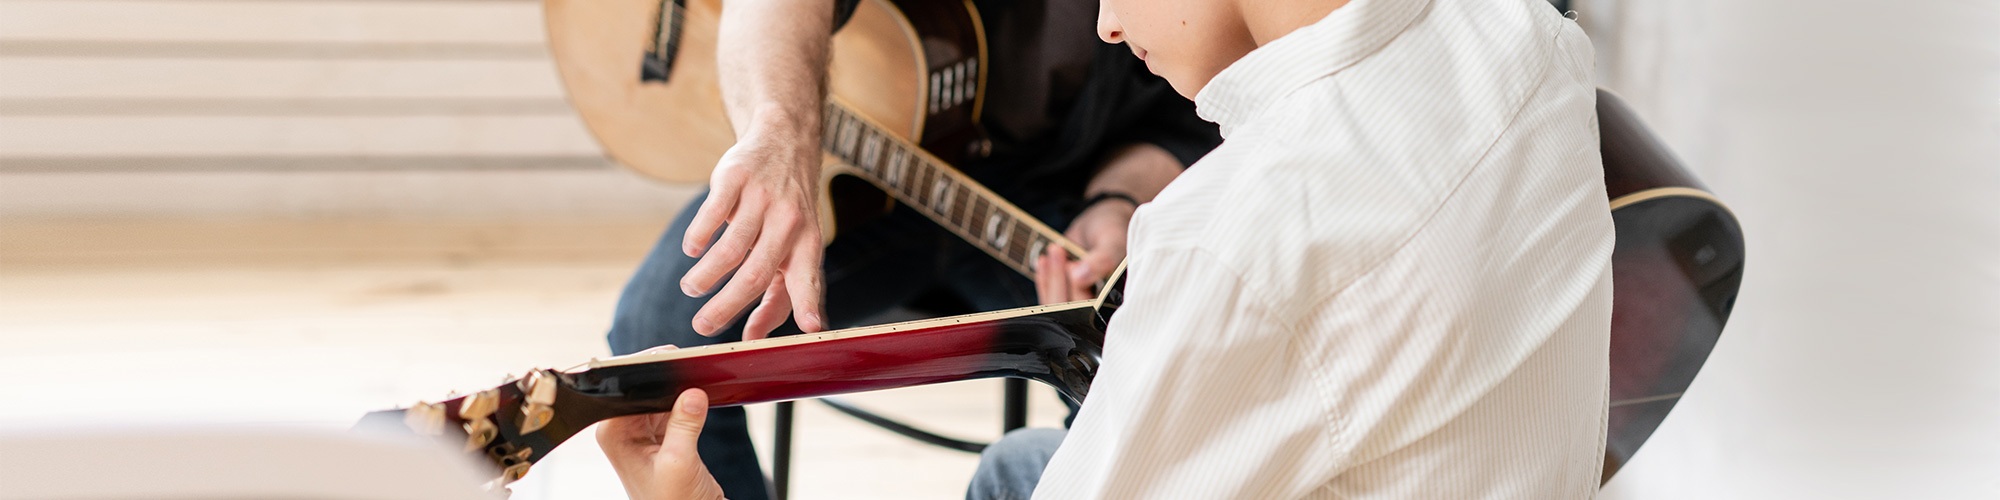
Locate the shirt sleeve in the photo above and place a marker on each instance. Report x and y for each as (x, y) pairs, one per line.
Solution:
(1200, 395)
(842, 11)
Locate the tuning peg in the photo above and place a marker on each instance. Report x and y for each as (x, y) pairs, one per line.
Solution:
(479, 433)
(514, 472)
(425, 418)
(513, 463)
(479, 405)
(539, 391)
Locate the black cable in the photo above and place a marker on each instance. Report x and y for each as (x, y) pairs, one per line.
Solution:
(900, 428)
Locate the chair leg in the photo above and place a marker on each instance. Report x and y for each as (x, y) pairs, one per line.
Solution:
(1014, 405)
(781, 453)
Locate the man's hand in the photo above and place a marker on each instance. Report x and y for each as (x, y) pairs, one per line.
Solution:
(1140, 171)
(655, 455)
(1099, 229)
(764, 190)
(773, 84)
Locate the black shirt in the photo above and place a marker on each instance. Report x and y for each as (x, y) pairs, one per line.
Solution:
(1058, 99)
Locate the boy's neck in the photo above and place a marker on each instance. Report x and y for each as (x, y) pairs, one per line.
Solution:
(1269, 20)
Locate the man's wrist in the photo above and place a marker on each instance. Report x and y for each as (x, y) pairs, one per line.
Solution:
(1139, 171)
(777, 122)
(798, 136)
(1109, 196)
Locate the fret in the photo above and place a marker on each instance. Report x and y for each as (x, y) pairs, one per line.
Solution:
(975, 218)
(919, 185)
(1023, 237)
(860, 140)
(871, 150)
(892, 171)
(914, 176)
(954, 212)
(997, 234)
(954, 208)
(1035, 251)
(928, 172)
(941, 191)
(961, 207)
(848, 128)
(835, 125)
(829, 133)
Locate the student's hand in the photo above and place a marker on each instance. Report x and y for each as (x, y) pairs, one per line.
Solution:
(763, 196)
(1100, 230)
(655, 455)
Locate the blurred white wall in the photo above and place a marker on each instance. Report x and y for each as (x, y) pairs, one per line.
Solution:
(339, 109)
(1859, 142)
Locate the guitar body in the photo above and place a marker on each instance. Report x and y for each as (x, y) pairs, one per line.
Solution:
(643, 75)
(1675, 274)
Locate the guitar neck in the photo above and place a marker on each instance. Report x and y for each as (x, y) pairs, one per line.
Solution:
(940, 192)
(1059, 345)
(517, 423)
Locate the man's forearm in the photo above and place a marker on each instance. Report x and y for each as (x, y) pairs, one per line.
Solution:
(1139, 170)
(771, 63)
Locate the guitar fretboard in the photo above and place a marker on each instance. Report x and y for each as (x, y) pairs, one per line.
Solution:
(938, 191)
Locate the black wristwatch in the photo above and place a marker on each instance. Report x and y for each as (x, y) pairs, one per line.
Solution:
(1107, 195)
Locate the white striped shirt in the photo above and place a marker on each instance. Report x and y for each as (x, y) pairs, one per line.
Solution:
(1392, 280)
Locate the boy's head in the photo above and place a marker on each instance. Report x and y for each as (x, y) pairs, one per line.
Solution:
(1189, 41)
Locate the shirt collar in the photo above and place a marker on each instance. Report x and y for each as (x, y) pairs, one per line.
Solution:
(1242, 90)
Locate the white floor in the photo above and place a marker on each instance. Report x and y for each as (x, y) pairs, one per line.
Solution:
(233, 335)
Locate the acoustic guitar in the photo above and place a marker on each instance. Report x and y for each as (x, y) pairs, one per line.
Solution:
(1676, 270)
(906, 82)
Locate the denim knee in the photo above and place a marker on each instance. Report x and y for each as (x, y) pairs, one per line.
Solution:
(1010, 467)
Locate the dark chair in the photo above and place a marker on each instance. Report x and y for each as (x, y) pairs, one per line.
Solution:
(1675, 272)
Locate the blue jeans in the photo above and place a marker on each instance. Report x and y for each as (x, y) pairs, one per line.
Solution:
(1010, 467)
(879, 265)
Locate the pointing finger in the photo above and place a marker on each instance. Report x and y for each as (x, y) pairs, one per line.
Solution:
(717, 208)
(738, 239)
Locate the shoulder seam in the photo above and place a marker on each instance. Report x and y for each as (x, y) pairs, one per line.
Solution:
(1457, 187)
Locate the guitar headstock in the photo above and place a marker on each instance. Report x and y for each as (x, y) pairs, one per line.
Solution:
(510, 426)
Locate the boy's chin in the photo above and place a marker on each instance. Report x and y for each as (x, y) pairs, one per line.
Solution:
(1183, 86)
(1186, 83)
